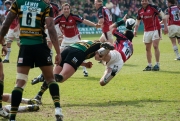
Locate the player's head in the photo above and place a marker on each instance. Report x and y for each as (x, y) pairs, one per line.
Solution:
(170, 2)
(144, 3)
(7, 3)
(66, 9)
(129, 34)
(98, 3)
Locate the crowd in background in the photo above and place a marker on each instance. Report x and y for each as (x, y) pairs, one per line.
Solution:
(85, 8)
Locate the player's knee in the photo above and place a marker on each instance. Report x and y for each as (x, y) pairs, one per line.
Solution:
(23, 77)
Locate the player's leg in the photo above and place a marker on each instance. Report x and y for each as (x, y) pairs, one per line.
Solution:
(175, 47)
(25, 108)
(147, 39)
(173, 32)
(9, 40)
(2, 112)
(22, 77)
(7, 98)
(46, 67)
(156, 39)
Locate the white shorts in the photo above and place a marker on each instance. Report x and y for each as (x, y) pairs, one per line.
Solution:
(116, 59)
(11, 34)
(59, 33)
(107, 36)
(173, 31)
(151, 36)
(67, 41)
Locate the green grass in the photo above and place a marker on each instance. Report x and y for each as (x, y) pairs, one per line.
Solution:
(133, 95)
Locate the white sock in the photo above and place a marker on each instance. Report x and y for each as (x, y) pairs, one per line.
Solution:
(150, 64)
(157, 63)
(84, 69)
(175, 48)
(24, 101)
(8, 53)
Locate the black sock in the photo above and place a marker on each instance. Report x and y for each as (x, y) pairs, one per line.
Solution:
(44, 87)
(15, 101)
(1, 92)
(54, 91)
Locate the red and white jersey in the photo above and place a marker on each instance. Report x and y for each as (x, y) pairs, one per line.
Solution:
(104, 12)
(149, 16)
(69, 24)
(174, 15)
(15, 21)
(55, 8)
(123, 45)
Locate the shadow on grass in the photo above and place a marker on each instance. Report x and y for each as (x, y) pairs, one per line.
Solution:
(137, 103)
(89, 78)
(130, 65)
(170, 72)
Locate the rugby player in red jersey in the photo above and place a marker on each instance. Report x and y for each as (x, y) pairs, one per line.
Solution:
(149, 13)
(105, 20)
(13, 32)
(173, 17)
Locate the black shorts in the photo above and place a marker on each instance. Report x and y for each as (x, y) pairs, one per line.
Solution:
(72, 56)
(34, 55)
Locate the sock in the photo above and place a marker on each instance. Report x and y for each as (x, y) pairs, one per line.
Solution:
(54, 91)
(24, 101)
(15, 101)
(84, 69)
(157, 63)
(1, 92)
(44, 87)
(8, 53)
(175, 48)
(150, 64)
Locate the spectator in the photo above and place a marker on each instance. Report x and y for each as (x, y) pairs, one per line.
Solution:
(116, 13)
(109, 5)
(2, 11)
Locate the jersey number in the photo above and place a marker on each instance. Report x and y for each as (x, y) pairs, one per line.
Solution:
(28, 19)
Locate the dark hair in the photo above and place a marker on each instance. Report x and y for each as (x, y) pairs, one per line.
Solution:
(129, 34)
(171, 1)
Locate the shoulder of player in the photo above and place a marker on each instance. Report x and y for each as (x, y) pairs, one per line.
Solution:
(59, 17)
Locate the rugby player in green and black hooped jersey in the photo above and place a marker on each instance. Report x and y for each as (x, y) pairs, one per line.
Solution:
(72, 57)
(34, 52)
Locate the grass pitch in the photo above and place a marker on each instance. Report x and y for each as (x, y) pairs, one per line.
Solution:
(133, 95)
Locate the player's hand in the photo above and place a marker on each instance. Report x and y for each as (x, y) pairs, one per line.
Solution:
(135, 33)
(4, 51)
(125, 17)
(165, 30)
(57, 59)
(88, 64)
(98, 26)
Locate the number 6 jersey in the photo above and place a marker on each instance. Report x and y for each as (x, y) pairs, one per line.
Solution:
(32, 14)
(123, 45)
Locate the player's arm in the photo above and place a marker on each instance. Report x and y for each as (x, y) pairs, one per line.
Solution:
(164, 20)
(117, 24)
(136, 26)
(52, 33)
(101, 21)
(6, 24)
(89, 23)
